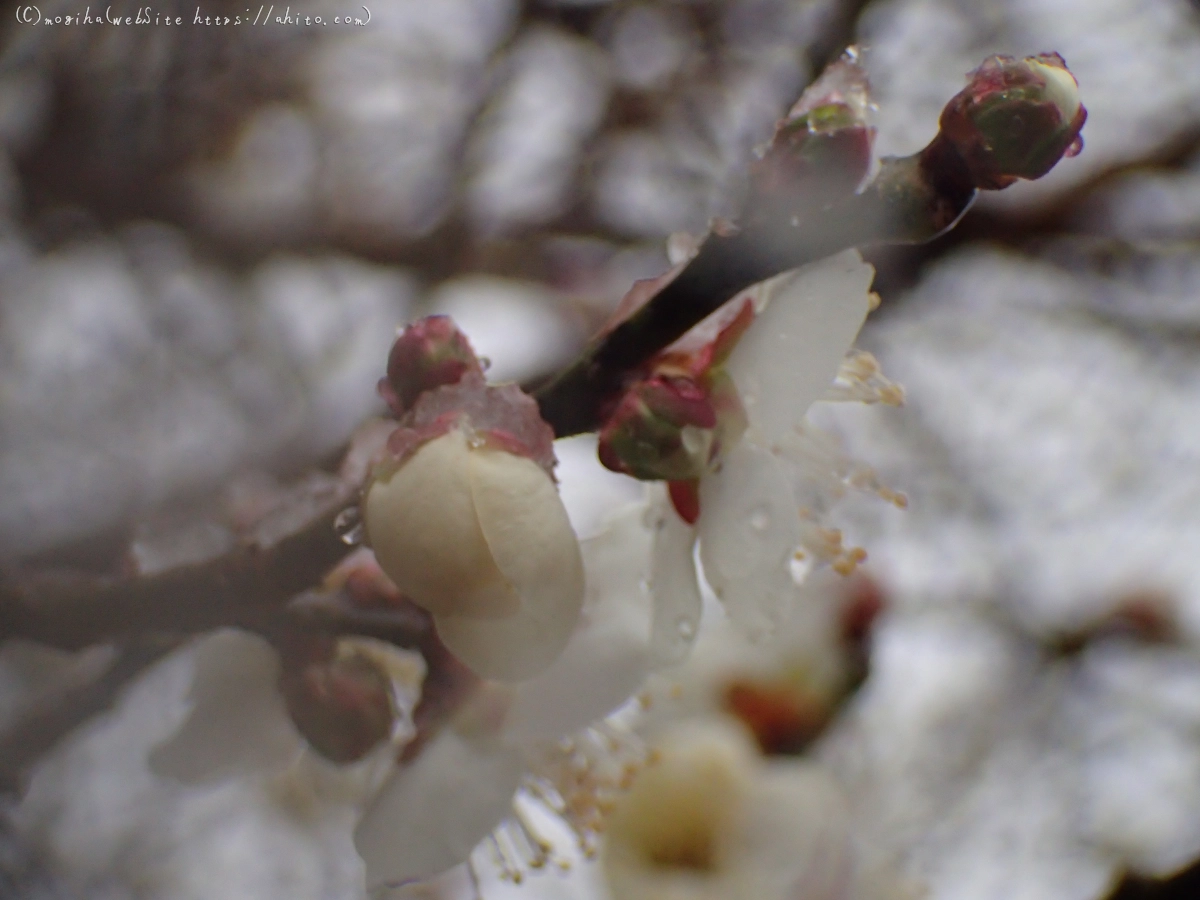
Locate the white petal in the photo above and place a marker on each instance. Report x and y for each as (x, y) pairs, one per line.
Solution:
(239, 724)
(608, 656)
(749, 528)
(429, 815)
(421, 522)
(531, 541)
(791, 354)
(591, 493)
(676, 589)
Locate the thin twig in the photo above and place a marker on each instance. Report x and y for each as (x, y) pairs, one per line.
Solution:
(406, 626)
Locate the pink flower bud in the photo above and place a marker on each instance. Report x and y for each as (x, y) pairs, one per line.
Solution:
(340, 702)
(1016, 118)
(428, 354)
(671, 424)
(822, 150)
(662, 428)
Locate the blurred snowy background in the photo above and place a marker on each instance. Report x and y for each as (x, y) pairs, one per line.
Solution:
(208, 236)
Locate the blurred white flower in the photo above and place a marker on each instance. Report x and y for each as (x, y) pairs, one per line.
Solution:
(505, 740)
(709, 817)
(239, 725)
(784, 689)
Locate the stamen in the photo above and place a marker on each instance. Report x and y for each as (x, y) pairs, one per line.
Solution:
(860, 379)
(473, 877)
(580, 779)
(502, 858)
(538, 850)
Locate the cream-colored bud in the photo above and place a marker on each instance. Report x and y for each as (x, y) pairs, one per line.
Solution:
(480, 538)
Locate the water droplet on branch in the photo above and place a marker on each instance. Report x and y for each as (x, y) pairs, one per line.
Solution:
(349, 526)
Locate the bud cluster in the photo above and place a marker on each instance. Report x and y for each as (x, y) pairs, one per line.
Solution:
(672, 422)
(462, 511)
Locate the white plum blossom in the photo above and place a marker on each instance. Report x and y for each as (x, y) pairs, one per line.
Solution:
(785, 688)
(710, 818)
(463, 514)
(762, 501)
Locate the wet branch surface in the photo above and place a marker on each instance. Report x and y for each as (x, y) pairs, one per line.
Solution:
(913, 199)
(72, 611)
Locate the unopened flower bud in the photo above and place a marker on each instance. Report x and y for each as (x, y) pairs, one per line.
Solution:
(1016, 118)
(822, 150)
(476, 534)
(342, 704)
(823, 145)
(672, 424)
(427, 354)
(662, 428)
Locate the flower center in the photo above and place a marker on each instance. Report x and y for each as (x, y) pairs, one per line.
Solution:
(693, 847)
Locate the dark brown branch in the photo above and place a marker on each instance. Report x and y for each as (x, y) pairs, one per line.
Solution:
(406, 625)
(287, 551)
(281, 559)
(913, 199)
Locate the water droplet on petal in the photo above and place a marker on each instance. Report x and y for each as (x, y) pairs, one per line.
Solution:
(349, 526)
(800, 566)
(485, 363)
(759, 520)
(1075, 147)
(687, 629)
